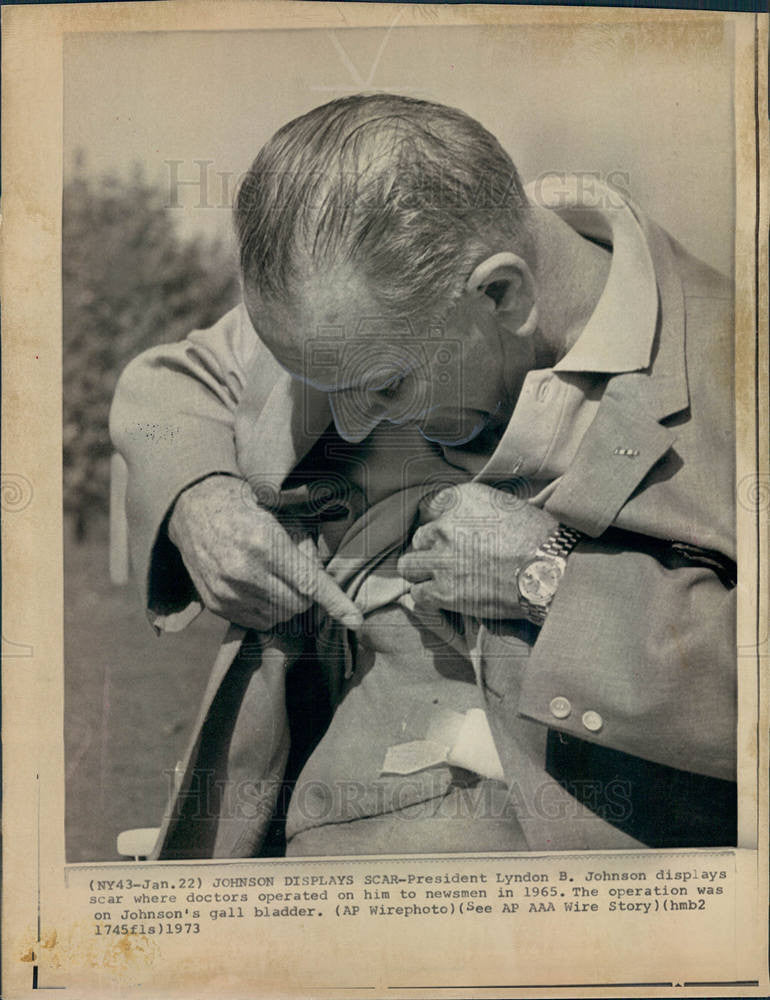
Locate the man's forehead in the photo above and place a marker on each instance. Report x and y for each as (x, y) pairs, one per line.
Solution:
(308, 334)
(297, 341)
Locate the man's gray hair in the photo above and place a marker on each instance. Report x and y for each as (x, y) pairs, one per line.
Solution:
(411, 193)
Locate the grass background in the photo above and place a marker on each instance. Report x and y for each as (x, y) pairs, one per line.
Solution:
(130, 701)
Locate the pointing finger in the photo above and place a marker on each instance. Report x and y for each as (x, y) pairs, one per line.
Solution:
(309, 548)
(336, 603)
(314, 582)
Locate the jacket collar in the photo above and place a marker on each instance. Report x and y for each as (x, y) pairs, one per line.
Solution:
(619, 335)
(626, 437)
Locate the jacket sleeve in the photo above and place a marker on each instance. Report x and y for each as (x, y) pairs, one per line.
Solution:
(172, 421)
(640, 658)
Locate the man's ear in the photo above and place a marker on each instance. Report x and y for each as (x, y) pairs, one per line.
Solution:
(507, 280)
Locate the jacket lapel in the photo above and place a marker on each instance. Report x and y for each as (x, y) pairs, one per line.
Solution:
(626, 437)
(239, 747)
(273, 435)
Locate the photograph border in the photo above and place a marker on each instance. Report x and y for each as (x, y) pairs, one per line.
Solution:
(33, 772)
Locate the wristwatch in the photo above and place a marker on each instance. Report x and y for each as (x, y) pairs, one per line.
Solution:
(538, 579)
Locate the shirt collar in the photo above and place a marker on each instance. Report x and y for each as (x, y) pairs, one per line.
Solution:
(620, 333)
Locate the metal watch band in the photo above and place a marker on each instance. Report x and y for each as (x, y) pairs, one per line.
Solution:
(536, 613)
(559, 544)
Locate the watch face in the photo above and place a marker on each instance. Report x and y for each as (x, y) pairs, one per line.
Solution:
(538, 581)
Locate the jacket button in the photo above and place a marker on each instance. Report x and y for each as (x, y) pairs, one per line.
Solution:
(560, 707)
(592, 721)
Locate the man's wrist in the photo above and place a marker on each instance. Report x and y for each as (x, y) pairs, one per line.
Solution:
(176, 514)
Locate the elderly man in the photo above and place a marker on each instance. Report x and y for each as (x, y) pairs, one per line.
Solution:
(459, 470)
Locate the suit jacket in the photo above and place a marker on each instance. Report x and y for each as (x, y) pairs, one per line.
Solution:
(641, 651)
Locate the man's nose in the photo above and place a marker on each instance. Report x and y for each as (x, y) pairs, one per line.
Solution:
(356, 413)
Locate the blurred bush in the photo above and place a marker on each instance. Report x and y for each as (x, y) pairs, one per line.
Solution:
(129, 281)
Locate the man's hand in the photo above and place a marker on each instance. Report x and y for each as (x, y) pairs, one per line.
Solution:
(472, 541)
(244, 564)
